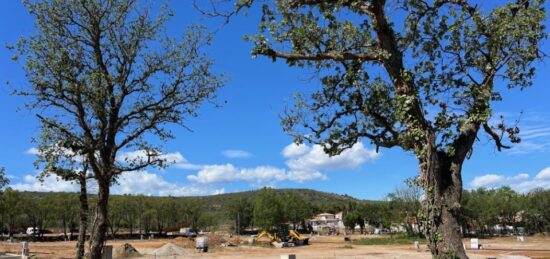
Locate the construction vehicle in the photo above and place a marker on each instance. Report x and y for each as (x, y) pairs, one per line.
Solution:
(284, 238)
(297, 238)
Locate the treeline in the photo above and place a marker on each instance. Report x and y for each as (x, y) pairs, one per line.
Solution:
(59, 212)
(139, 214)
(482, 211)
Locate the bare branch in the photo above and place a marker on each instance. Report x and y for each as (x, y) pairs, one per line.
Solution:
(497, 138)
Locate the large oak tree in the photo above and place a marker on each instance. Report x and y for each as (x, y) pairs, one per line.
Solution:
(416, 74)
(105, 78)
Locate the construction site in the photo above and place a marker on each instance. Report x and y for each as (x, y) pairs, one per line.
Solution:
(226, 246)
(274, 129)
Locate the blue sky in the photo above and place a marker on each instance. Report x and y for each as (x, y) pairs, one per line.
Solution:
(241, 146)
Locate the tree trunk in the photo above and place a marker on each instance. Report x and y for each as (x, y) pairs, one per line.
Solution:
(442, 182)
(83, 218)
(99, 227)
(64, 228)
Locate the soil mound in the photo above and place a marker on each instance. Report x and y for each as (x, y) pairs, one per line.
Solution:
(171, 249)
(126, 251)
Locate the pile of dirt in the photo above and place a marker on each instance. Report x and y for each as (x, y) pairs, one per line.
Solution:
(216, 240)
(184, 242)
(170, 249)
(126, 251)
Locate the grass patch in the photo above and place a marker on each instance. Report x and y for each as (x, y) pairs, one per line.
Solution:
(389, 240)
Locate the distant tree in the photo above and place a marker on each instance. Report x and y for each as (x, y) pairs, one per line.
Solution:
(423, 81)
(351, 219)
(12, 210)
(65, 209)
(129, 205)
(240, 211)
(295, 209)
(485, 208)
(4, 181)
(508, 206)
(377, 214)
(172, 212)
(406, 201)
(191, 211)
(106, 80)
(537, 216)
(268, 210)
(116, 214)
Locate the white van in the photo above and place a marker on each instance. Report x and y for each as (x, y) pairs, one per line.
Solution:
(33, 231)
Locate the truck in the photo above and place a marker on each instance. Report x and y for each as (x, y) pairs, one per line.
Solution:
(184, 232)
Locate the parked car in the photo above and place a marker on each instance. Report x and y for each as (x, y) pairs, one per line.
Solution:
(380, 231)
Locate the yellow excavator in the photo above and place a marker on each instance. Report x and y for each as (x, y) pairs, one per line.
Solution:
(272, 237)
(297, 238)
(292, 238)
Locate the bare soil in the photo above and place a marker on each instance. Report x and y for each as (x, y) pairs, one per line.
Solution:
(320, 247)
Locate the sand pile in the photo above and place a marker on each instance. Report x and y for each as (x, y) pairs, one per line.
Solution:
(171, 249)
(126, 251)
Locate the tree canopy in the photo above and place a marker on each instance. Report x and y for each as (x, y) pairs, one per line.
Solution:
(419, 75)
(107, 79)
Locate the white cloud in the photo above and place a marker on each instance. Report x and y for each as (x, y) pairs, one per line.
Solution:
(234, 153)
(315, 158)
(51, 183)
(215, 174)
(32, 151)
(146, 183)
(57, 150)
(521, 182)
(304, 164)
(229, 173)
(543, 175)
(488, 180)
(295, 150)
(140, 182)
(303, 176)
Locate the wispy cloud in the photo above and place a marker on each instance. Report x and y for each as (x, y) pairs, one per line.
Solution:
(534, 132)
(235, 153)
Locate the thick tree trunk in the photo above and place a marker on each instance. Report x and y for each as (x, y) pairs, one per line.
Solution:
(442, 182)
(99, 227)
(83, 218)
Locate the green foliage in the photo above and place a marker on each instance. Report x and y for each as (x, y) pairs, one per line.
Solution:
(391, 84)
(106, 79)
(11, 207)
(4, 181)
(268, 210)
(537, 216)
(351, 219)
(95, 65)
(405, 201)
(241, 211)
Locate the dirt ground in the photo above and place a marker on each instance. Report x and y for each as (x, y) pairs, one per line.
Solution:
(320, 247)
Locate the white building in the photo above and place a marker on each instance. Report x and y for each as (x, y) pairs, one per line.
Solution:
(327, 221)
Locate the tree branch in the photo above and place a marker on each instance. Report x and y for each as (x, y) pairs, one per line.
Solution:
(336, 56)
(495, 137)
